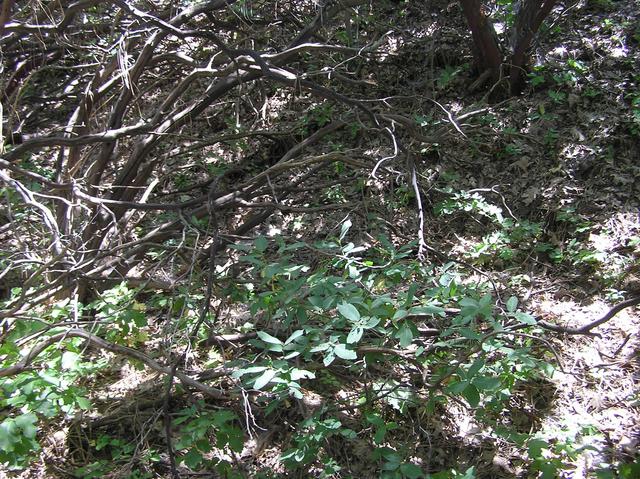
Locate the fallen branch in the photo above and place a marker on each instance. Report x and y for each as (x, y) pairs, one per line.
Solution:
(586, 329)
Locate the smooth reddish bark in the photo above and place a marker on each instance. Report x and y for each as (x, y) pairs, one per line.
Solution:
(528, 22)
(487, 51)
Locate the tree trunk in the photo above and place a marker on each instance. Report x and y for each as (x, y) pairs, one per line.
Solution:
(528, 20)
(5, 14)
(486, 48)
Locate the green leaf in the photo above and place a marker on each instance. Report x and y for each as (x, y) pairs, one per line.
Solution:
(535, 447)
(320, 347)
(192, 458)
(371, 323)
(349, 311)
(7, 433)
(469, 333)
(486, 301)
(411, 292)
(457, 387)
(411, 471)
(261, 244)
(345, 228)
(525, 318)
(342, 352)
(512, 304)
(355, 335)
(468, 303)
(328, 359)
(477, 365)
(27, 422)
(295, 335)
(83, 403)
(470, 473)
(472, 396)
(301, 374)
(487, 383)
(264, 379)
(250, 370)
(267, 338)
(405, 335)
(401, 313)
(138, 318)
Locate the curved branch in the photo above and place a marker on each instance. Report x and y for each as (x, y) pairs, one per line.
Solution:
(103, 137)
(24, 364)
(586, 329)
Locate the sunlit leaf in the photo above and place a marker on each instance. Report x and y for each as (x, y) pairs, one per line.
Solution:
(355, 335)
(405, 335)
(267, 338)
(344, 353)
(264, 379)
(345, 228)
(349, 311)
(512, 304)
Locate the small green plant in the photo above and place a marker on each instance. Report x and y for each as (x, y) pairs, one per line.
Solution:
(469, 202)
(393, 466)
(447, 75)
(126, 316)
(318, 116)
(557, 97)
(537, 76)
(200, 430)
(18, 440)
(360, 303)
(635, 114)
(33, 396)
(307, 445)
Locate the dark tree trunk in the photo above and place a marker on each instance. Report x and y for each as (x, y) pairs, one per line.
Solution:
(528, 21)
(5, 14)
(486, 49)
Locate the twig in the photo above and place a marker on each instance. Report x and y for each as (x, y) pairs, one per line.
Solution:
(422, 245)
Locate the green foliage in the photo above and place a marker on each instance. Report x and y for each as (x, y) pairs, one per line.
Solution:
(393, 466)
(557, 97)
(537, 76)
(124, 316)
(18, 440)
(371, 298)
(511, 240)
(307, 444)
(347, 311)
(453, 474)
(119, 453)
(200, 430)
(40, 395)
(318, 116)
(447, 75)
(635, 113)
